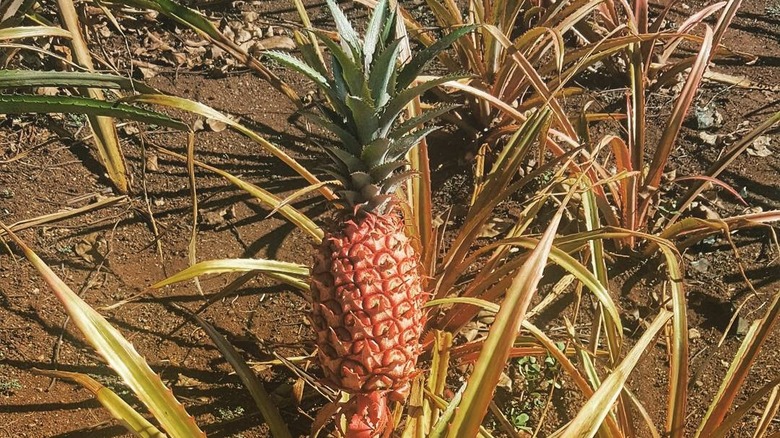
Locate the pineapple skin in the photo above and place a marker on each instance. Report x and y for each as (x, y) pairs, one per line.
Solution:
(367, 305)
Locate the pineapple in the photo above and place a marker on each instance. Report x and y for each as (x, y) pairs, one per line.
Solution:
(366, 288)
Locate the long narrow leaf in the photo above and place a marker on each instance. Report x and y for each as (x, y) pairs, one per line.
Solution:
(13, 33)
(267, 199)
(32, 78)
(103, 128)
(211, 113)
(491, 362)
(234, 265)
(757, 335)
(20, 104)
(119, 353)
(119, 409)
(249, 379)
(589, 418)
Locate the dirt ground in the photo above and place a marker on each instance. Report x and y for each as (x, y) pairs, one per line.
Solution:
(114, 253)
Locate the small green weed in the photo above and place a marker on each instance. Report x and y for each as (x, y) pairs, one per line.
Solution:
(540, 378)
(9, 386)
(227, 414)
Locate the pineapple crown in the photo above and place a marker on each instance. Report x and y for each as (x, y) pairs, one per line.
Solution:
(367, 89)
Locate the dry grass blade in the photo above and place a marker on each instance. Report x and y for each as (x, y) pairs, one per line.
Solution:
(437, 379)
(211, 113)
(695, 229)
(507, 109)
(590, 417)
(294, 216)
(119, 353)
(302, 192)
(673, 126)
(538, 83)
(103, 128)
(62, 215)
(119, 409)
(12, 12)
(234, 265)
(772, 407)
(15, 33)
(571, 370)
(248, 378)
(719, 166)
(487, 370)
(639, 407)
(678, 373)
(755, 338)
(547, 343)
(729, 422)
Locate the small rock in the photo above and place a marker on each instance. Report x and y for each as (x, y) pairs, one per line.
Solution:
(249, 16)
(753, 210)
(708, 213)
(701, 266)
(159, 202)
(217, 219)
(151, 163)
(216, 125)
(243, 36)
(760, 147)
(280, 42)
(707, 117)
(199, 125)
(505, 382)
(693, 334)
(707, 138)
(215, 52)
(228, 32)
(698, 383)
(130, 129)
(743, 324)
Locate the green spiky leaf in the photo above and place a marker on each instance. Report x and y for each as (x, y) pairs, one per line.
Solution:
(374, 32)
(347, 33)
(401, 146)
(404, 128)
(365, 119)
(382, 78)
(348, 69)
(394, 108)
(20, 104)
(382, 171)
(375, 152)
(423, 57)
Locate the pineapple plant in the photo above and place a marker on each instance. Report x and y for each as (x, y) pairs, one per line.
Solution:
(366, 287)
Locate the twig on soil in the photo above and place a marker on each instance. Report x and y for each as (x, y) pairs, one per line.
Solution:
(155, 230)
(88, 283)
(192, 250)
(227, 290)
(54, 217)
(324, 390)
(26, 152)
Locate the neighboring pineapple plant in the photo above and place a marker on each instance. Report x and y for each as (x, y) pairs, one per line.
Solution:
(366, 286)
